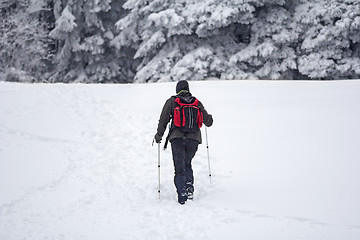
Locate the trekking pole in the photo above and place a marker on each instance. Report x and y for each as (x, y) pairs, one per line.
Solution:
(207, 148)
(159, 168)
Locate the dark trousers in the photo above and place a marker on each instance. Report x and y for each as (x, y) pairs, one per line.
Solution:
(183, 151)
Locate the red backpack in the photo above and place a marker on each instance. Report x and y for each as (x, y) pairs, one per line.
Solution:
(187, 116)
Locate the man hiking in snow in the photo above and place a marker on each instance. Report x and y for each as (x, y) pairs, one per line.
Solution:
(187, 114)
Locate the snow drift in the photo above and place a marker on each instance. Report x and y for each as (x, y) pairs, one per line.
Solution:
(76, 162)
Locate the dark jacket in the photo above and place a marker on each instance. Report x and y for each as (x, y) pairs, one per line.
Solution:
(166, 116)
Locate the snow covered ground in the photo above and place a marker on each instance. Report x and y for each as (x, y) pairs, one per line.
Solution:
(76, 162)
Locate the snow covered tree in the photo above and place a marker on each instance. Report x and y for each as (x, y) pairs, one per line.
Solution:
(330, 32)
(272, 52)
(170, 40)
(84, 30)
(25, 49)
(187, 39)
(304, 39)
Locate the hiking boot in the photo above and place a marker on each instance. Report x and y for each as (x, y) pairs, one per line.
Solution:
(190, 192)
(182, 198)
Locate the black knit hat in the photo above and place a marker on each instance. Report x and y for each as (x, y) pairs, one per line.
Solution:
(182, 85)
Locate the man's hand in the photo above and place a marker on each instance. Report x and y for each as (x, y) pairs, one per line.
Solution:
(157, 138)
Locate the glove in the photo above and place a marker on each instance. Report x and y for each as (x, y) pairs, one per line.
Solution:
(209, 121)
(157, 138)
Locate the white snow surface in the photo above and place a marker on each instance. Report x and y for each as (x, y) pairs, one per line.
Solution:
(76, 162)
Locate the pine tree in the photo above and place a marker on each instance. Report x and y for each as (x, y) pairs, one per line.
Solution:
(330, 39)
(187, 39)
(270, 53)
(84, 30)
(25, 49)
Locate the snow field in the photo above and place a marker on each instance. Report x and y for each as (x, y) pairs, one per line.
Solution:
(76, 162)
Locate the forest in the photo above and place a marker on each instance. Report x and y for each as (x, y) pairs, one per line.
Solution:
(140, 41)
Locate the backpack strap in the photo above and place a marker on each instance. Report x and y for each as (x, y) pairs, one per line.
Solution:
(171, 127)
